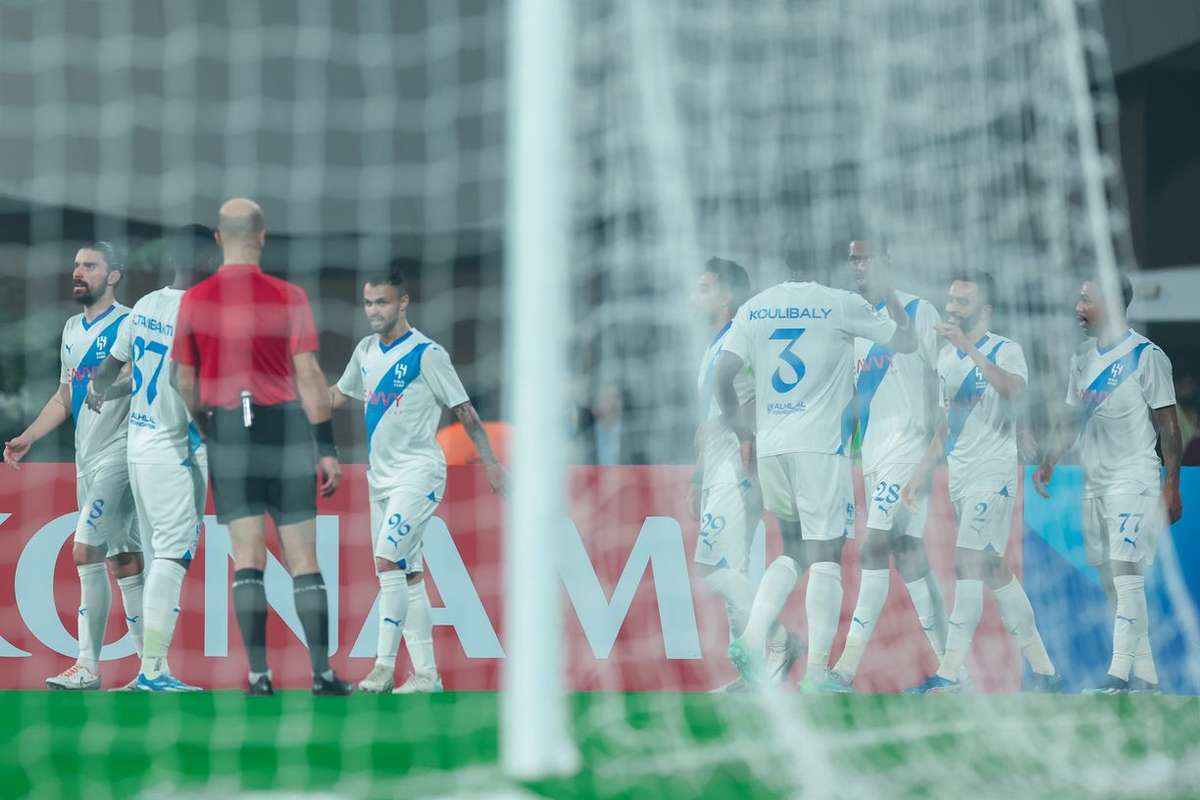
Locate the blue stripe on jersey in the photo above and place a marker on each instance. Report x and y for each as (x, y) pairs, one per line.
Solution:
(194, 442)
(87, 326)
(91, 362)
(388, 347)
(393, 383)
(970, 392)
(1109, 379)
(874, 370)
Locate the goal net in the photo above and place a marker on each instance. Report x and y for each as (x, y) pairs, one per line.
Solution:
(552, 179)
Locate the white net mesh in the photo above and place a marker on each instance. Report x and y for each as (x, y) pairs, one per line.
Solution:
(967, 135)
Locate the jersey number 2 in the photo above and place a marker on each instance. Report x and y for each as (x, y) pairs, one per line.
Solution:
(140, 348)
(789, 335)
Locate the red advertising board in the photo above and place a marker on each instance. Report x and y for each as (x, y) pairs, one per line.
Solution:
(636, 616)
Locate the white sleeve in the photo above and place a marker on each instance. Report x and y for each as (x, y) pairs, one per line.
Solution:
(929, 344)
(1011, 359)
(859, 318)
(443, 380)
(64, 372)
(350, 384)
(1154, 375)
(738, 340)
(943, 389)
(122, 349)
(1073, 374)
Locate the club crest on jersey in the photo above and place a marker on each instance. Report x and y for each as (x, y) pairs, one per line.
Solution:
(980, 381)
(1114, 373)
(101, 346)
(399, 373)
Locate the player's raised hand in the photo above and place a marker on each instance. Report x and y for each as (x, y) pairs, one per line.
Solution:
(952, 334)
(496, 478)
(1172, 501)
(329, 473)
(16, 448)
(1041, 478)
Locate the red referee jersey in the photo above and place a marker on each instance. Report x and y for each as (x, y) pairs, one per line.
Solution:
(240, 329)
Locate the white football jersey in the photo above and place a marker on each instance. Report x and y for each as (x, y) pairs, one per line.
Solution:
(720, 457)
(981, 437)
(798, 339)
(160, 430)
(403, 386)
(1115, 390)
(99, 438)
(891, 395)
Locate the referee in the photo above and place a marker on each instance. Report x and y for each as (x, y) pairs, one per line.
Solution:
(245, 363)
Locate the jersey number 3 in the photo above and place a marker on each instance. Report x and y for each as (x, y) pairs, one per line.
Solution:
(140, 348)
(789, 358)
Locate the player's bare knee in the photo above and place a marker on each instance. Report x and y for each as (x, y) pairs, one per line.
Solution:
(996, 572)
(911, 562)
(382, 565)
(124, 565)
(969, 565)
(875, 552)
(818, 551)
(1122, 568)
(86, 554)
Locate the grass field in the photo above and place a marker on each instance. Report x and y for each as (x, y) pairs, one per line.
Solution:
(219, 745)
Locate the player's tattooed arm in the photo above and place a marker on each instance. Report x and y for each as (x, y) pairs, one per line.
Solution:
(56, 411)
(469, 417)
(1166, 423)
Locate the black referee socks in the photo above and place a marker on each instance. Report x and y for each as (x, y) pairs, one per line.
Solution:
(250, 604)
(312, 606)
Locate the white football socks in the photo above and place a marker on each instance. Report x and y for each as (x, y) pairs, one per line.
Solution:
(131, 597)
(1130, 625)
(773, 592)
(823, 606)
(926, 598)
(734, 588)
(418, 630)
(964, 619)
(95, 599)
(1017, 613)
(1143, 660)
(164, 585)
(393, 608)
(872, 596)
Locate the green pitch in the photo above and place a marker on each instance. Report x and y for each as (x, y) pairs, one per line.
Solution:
(661, 746)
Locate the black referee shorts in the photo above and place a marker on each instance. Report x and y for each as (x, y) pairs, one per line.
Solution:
(269, 467)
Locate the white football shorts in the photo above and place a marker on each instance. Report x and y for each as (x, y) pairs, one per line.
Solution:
(812, 488)
(106, 511)
(170, 506)
(398, 521)
(1123, 527)
(985, 517)
(729, 515)
(884, 509)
